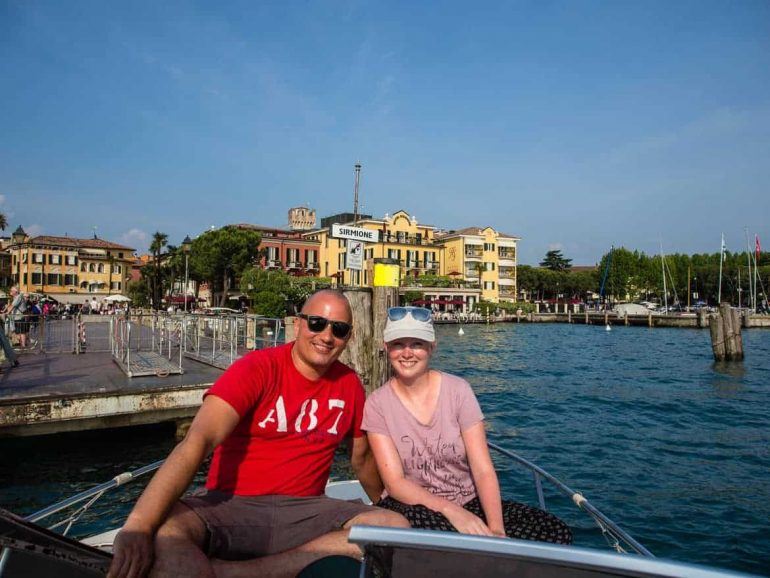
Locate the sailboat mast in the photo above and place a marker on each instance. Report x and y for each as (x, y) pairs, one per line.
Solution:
(688, 288)
(665, 290)
(756, 270)
(748, 259)
(721, 258)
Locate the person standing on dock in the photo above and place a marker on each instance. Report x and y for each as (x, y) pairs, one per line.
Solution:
(274, 420)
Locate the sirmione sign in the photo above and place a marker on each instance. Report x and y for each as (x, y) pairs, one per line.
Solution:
(354, 233)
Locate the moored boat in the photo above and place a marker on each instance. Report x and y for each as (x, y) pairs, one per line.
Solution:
(29, 549)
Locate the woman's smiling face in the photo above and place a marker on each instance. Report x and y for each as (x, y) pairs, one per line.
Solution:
(409, 356)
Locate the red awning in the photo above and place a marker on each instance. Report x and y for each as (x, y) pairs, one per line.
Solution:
(181, 299)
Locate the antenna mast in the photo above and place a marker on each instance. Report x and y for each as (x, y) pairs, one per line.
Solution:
(355, 194)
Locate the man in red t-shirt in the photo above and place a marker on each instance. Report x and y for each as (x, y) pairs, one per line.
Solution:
(273, 420)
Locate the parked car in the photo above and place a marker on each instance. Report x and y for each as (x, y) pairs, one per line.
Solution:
(221, 311)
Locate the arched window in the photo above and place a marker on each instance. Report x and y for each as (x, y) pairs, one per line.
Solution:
(82, 267)
(91, 268)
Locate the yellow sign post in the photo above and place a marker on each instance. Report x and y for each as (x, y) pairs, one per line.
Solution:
(387, 273)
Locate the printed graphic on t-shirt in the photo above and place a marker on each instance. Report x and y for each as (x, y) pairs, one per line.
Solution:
(433, 460)
(306, 420)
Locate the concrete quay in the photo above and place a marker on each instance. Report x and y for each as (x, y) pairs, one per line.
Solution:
(691, 320)
(60, 392)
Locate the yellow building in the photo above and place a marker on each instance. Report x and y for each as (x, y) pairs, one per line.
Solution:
(482, 256)
(68, 269)
(399, 237)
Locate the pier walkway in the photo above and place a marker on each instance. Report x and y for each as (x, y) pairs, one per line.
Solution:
(95, 372)
(58, 392)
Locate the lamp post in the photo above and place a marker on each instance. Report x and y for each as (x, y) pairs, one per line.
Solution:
(18, 237)
(186, 244)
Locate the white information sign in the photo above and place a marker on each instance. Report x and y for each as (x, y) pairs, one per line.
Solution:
(354, 233)
(355, 255)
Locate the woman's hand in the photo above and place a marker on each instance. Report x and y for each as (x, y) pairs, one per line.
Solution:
(466, 522)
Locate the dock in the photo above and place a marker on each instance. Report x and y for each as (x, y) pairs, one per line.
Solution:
(51, 393)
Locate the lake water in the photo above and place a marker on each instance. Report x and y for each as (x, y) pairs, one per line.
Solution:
(669, 445)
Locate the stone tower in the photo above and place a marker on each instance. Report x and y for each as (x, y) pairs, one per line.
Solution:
(301, 219)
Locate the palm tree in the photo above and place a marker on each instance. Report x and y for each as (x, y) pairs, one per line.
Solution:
(158, 242)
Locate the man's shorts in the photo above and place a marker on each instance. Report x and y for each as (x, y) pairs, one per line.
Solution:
(244, 527)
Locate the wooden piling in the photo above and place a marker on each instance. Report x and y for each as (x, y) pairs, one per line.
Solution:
(725, 312)
(569, 316)
(726, 340)
(738, 338)
(586, 320)
(649, 319)
(717, 336)
(625, 318)
(384, 296)
(358, 353)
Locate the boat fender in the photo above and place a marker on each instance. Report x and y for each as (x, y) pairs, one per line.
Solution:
(578, 499)
(460, 331)
(123, 478)
(608, 328)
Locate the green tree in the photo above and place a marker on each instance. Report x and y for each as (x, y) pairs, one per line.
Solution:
(555, 261)
(139, 292)
(431, 281)
(220, 256)
(412, 296)
(156, 247)
(292, 292)
(269, 304)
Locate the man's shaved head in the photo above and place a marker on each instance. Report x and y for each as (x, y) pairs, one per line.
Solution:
(321, 298)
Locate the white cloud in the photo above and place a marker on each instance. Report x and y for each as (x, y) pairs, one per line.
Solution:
(33, 230)
(135, 238)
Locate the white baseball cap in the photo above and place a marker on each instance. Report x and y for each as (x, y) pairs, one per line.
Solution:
(414, 322)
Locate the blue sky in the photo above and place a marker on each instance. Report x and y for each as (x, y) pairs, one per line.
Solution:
(574, 125)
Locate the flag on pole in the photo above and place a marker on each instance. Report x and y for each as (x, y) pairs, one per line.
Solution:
(757, 247)
(724, 247)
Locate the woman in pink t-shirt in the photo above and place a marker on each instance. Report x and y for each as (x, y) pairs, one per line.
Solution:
(426, 430)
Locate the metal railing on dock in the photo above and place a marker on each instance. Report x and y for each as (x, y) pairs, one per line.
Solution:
(147, 345)
(219, 340)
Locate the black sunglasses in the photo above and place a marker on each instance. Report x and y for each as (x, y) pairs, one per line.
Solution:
(317, 324)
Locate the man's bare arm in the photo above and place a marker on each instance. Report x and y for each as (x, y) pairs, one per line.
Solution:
(365, 468)
(133, 546)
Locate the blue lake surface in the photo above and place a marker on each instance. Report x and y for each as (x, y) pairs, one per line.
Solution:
(671, 446)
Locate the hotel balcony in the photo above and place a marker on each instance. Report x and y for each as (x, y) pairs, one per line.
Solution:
(422, 242)
(471, 254)
(294, 265)
(273, 264)
(507, 254)
(506, 293)
(507, 273)
(313, 267)
(471, 274)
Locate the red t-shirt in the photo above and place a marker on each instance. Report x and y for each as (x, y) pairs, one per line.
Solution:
(289, 428)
